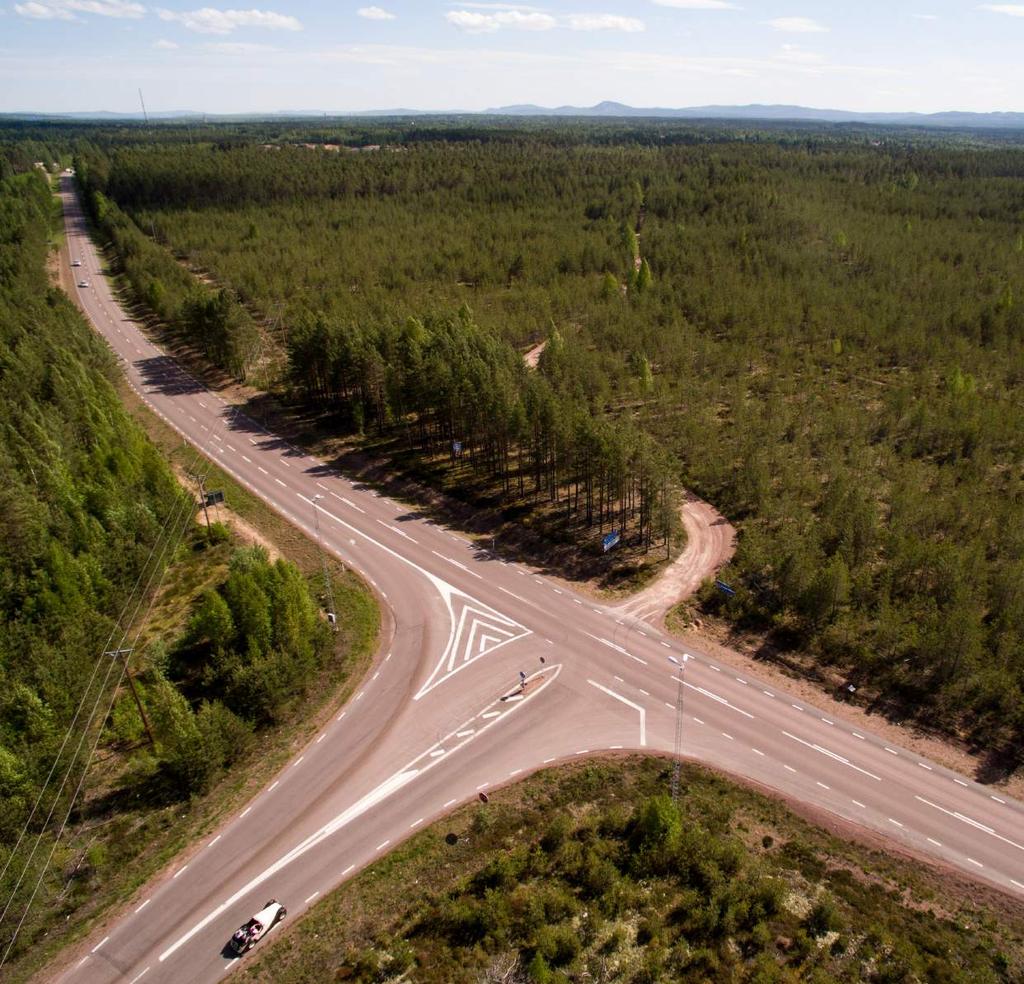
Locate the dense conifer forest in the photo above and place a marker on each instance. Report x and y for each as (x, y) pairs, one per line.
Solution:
(83, 497)
(819, 331)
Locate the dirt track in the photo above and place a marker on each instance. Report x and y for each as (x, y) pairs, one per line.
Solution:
(710, 544)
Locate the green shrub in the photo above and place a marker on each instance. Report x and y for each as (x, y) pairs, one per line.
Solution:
(822, 919)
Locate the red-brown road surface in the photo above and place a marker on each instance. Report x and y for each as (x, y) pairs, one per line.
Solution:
(428, 729)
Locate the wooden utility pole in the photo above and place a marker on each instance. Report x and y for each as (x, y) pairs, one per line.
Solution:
(202, 497)
(123, 654)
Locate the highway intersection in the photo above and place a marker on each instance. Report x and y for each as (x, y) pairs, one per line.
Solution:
(441, 715)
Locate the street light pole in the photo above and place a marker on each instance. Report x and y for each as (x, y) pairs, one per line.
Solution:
(329, 591)
(678, 749)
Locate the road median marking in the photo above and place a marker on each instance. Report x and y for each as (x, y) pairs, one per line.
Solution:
(715, 697)
(628, 703)
(835, 756)
(971, 822)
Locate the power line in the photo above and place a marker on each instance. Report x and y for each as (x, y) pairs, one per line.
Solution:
(92, 750)
(88, 725)
(95, 745)
(199, 454)
(81, 704)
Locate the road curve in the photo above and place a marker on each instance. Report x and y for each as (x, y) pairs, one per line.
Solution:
(710, 544)
(441, 717)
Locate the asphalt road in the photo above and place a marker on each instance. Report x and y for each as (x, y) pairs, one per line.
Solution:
(441, 717)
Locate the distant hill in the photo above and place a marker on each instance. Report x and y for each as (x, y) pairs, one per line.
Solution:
(606, 110)
(774, 112)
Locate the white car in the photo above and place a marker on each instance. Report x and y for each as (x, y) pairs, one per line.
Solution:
(83, 283)
(247, 936)
(76, 262)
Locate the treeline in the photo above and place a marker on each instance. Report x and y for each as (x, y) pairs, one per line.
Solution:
(455, 391)
(827, 343)
(86, 508)
(212, 319)
(83, 500)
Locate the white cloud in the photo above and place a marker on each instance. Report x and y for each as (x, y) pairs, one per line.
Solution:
(604, 22)
(66, 9)
(486, 18)
(375, 13)
(480, 23)
(927, 17)
(1010, 9)
(797, 25)
(164, 45)
(209, 20)
(237, 47)
(42, 11)
(480, 5)
(697, 4)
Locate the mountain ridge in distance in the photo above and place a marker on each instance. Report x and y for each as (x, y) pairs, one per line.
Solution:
(758, 111)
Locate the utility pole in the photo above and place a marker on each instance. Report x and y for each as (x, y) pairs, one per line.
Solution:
(202, 497)
(678, 749)
(123, 654)
(328, 590)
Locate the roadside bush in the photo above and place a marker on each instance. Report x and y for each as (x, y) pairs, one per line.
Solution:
(822, 919)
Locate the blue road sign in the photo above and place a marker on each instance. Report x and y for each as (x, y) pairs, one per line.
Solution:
(456, 447)
(724, 588)
(611, 540)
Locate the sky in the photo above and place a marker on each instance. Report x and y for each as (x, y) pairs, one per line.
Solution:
(350, 55)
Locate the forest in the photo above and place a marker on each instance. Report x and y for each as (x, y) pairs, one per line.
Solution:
(819, 331)
(101, 553)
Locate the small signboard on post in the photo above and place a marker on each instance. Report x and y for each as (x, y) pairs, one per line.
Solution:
(611, 540)
(213, 498)
(456, 448)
